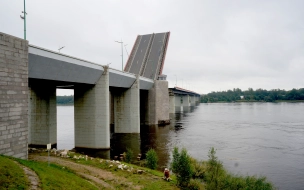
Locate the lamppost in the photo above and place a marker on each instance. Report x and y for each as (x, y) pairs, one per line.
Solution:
(126, 50)
(24, 18)
(60, 48)
(121, 42)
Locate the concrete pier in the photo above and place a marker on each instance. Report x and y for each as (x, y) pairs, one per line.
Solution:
(43, 115)
(158, 103)
(91, 109)
(186, 103)
(126, 109)
(179, 103)
(172, 102)
(192, 101)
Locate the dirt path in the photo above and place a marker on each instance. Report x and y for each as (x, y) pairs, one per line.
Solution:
(32, 177)
(96, 175)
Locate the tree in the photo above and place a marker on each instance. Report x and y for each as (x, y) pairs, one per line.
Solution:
(152, 159)
(181, 166)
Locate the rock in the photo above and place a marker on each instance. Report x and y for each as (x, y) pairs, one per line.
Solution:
(110, 166)
(120, 166)
(117, 162)
(140, 171)
(125, 167)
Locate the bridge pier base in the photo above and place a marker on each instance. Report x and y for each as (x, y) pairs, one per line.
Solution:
(126, 109)
(42, 116)
(91, 109)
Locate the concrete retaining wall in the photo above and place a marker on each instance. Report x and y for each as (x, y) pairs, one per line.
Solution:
(13, 96)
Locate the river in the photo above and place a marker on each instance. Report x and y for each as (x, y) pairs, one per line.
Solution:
(263, 139)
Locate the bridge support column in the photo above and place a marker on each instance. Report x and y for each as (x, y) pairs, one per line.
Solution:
(186, 103)
(158, 103)
(43, 116)
(91, 109)
(126, 109)
(197, 100)
(193, 100)
(172, 102)
(179, 103)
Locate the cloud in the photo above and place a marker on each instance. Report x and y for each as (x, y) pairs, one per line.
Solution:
(214, 45)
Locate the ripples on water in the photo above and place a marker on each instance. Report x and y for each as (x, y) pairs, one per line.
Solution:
(250, 138)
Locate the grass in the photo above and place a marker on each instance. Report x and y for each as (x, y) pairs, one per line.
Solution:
(11, 175)
(56, 177)
(150, 179)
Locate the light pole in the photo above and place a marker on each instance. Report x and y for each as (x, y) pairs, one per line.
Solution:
(24, 18)
(121, 42)
(126, 50)
(60, 48)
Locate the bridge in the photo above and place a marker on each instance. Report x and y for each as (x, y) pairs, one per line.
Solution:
(30, 75)
(182, 100)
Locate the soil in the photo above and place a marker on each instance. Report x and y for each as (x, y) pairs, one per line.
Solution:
(32, 177)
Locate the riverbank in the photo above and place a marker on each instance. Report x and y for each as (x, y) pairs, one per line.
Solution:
(70, 170)
(81, 172)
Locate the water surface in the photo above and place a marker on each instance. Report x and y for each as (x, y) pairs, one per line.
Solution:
(250, 138)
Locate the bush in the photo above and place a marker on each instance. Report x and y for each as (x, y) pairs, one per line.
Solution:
(195, 184)
(152, 159)
(217, 177)
(199, 169)
(181, 166)
(128, 155)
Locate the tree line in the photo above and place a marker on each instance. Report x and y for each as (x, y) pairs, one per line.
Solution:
(254, 95)
(65, 99)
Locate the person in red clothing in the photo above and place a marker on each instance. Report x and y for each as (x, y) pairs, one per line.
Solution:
(166, 174)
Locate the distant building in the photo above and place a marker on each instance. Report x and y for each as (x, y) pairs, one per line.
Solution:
(242, 97)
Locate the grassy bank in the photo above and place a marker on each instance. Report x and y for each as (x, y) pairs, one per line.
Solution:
(79, 172)
(11, 175)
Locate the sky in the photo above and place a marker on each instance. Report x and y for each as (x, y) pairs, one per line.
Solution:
(214, 45)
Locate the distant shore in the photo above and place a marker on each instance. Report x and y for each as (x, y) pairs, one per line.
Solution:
(237, 101)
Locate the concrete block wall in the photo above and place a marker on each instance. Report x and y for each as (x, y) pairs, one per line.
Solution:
(42, 115)
(92, 114)
(126, 109)
(13, 96)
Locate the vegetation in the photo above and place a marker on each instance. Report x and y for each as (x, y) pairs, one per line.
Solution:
(181, 166)
(254, 95)
(65, 100)
(129, 155)
(152, 159)
(11, 175)
(211, 175)
(189, 174)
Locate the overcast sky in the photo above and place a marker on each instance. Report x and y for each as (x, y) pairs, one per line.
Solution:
(213, 46)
